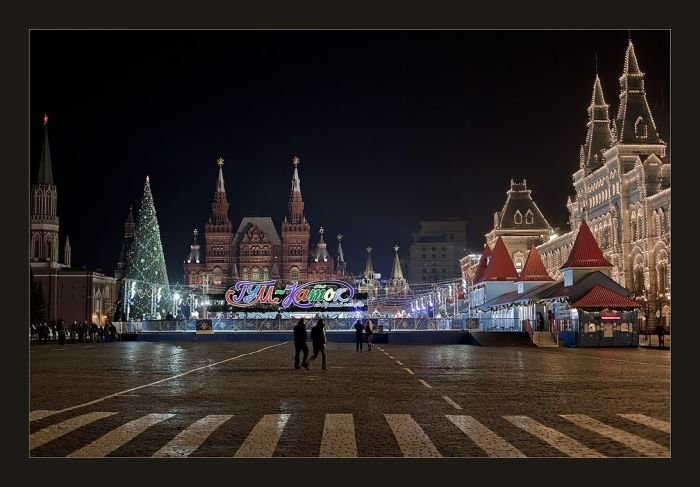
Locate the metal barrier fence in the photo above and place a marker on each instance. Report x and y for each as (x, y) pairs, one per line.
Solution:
(287, 324)
(496, 324)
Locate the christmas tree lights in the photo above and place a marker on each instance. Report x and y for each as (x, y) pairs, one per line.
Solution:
(148, 290)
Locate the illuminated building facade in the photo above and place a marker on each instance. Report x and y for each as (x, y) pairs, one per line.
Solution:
(623, 191)
(255, 251)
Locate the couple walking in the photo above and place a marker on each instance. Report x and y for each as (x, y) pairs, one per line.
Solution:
(318, 341)
(368, 329)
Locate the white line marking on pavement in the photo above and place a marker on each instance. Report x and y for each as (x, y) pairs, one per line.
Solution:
(263, 438)
(399, 363)
(391, 357)
(487, 440)
(40, 413)
(640, 445)
(409, 371)
(554, 438)
(425, 383)
(338, 436)
(450, 401)
(159, 381)
(188, 440)
(657, 424)
(106, 444)
(411, 438)
(54, 431)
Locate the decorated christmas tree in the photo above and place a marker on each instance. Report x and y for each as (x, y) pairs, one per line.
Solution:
(146, 278)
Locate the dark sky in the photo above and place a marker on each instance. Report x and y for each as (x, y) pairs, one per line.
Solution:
(392, 127)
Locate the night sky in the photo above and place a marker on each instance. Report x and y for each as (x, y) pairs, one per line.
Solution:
(392, 127)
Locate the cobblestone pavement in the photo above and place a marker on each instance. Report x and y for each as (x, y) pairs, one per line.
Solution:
(226, 399)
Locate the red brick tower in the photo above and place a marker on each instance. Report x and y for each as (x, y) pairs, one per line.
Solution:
(295, 234)
(218, 233)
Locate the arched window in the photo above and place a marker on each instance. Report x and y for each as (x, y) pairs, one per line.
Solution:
(36, 246)
(662, 271)
(245, 273)
(518, 218)
(640, 223)
(633, 226)
(518, 261)
(294, 273)
(217, 276)
(638, 283)
(47, 246)
(266, 273)
(255, 274)
(640, 128)
(529, 217)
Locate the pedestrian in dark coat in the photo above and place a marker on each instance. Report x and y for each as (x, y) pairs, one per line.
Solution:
(300, 344)
(369, 329)
(660, 333)
(318, 341)
(61, 333)
(358, 335)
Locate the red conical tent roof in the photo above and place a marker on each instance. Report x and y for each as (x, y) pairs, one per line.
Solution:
(483, 262)
(602, 297)
(586, 252)
(534, 269)
(501, 266)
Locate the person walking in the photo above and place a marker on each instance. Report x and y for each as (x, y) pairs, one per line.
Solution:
(318, 341)
(540, 321)
(300, 344)
(660, 333)
(551, 318)
(369, 329)
(358, 335)
(61, 333)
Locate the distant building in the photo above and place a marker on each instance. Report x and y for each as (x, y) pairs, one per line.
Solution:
(436, 249)
(256, 251)
(70, 295)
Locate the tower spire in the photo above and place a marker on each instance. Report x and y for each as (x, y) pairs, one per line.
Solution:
(194, 249)
(296, 182)
(45, 169)
(341, 256)
(219, 206)
(369, 268)
(296, 202)
(396, 272)
(599, 136)
(220, 182)
(634, 123)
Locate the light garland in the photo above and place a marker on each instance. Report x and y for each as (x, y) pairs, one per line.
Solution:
(146, 276)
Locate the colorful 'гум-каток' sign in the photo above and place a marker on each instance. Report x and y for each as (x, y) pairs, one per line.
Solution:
(312, 294)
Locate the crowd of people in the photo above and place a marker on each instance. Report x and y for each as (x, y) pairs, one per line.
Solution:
(82, 332)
